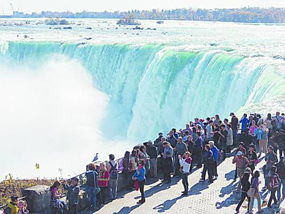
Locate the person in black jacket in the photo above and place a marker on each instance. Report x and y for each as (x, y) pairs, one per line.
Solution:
(208, 161)
(152, 153)
(252, 157)
(245, 186)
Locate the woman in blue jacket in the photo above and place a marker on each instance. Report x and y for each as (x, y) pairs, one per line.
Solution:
(140, 177)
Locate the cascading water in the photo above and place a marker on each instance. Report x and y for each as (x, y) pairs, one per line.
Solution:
(152, 88)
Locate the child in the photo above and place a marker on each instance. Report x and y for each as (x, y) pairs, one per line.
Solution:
(12, 207)
(140, 177)
(55, 196)
(72, 195)
(185, 163)
(22, 207)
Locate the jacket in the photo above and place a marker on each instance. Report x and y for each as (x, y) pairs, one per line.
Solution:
(140, 174)
(72, 193)
(244, 123)
(151, 151)
(185, 163)
(13, 206)
(215, 152)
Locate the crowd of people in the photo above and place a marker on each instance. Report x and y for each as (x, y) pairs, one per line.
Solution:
(201, 144)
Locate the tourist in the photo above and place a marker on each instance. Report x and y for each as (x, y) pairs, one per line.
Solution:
(152, 152)
(241, 149)
(264, 139)
(273, 186)
(255, 184)
(268, 123)
(112, 168)
(209, 131)
(143, 156)
(22, 207)
(241, 163)
(140, 177)
(281, 172)
(91, 185)
(244, 122)
(157, 140)
(72, 195)
(245, 186)
(185, 163)
(198, 148)
(223, 140)
(279, 121)
(281, 143)
(258, 133)
(56, 203)
(172, 139)
(103, 179)
(234, 124)
(217, 119)
(216, 155)
(167, 162)
(230, 140)
(12, 205)
(216, 136)
(252, 157)
(180, 149)
(252, 131)
(208, 162)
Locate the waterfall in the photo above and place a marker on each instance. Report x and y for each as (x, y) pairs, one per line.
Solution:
(154, 87)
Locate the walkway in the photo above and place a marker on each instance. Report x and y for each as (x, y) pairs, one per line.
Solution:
(218, 197)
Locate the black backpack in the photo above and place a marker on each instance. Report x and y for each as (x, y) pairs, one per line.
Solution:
(113, 171)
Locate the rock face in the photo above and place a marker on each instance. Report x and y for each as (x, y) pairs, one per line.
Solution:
(38, 198)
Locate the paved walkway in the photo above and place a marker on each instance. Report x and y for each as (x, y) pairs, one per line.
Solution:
(218, 197)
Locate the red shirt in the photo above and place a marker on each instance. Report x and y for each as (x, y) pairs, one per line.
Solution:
(105, 175)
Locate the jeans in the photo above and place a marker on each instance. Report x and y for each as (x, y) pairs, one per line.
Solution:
(235, 136)
(282, 183)
(243, 196)
(113, 184)
(91, 193)
(272, 197)
(185, 182)
(256, 196)
(141, 186)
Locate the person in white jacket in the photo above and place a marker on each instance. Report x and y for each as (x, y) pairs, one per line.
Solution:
(185, 163)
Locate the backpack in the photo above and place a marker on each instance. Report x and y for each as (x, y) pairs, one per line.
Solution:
(274, 182)
(8, 210)
(113, 171)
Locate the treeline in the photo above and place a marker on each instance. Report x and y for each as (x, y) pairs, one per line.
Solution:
(246, 15)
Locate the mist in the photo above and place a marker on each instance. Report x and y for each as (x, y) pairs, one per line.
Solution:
(50, 115)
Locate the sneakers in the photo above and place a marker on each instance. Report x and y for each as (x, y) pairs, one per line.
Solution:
(140, 201)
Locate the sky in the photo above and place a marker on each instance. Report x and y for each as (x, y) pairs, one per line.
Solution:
(29, 6)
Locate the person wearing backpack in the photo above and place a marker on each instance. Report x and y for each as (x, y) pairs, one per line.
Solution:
(112, 168)
(12, 206)
(273, 186)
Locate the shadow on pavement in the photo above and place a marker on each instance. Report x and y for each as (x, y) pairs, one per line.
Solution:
(166, 205)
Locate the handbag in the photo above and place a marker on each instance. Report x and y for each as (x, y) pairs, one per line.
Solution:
(97, 188)
(251, 192)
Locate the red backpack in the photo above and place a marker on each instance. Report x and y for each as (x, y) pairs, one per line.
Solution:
(274, 181)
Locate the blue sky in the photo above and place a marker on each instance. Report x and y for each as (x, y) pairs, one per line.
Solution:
(122, 5)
